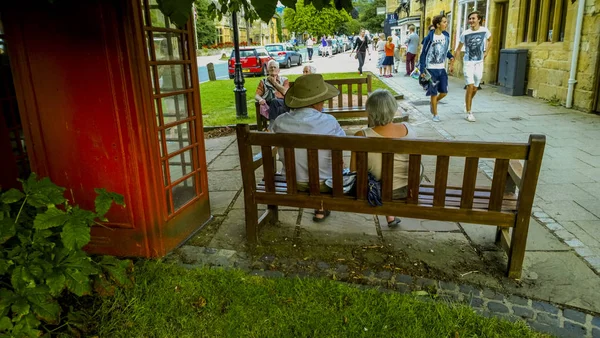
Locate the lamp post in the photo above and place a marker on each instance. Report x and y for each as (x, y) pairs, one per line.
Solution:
(241, 109)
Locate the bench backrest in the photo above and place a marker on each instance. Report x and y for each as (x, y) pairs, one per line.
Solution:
(465, 209)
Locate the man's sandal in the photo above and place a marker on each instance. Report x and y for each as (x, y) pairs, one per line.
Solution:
(325, 214)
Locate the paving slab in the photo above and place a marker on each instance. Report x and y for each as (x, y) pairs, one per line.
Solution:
(219, 143)
(225, 162)
(220, 200)
(230, 180)
(578, 286)
(232, 232)
(340, 228)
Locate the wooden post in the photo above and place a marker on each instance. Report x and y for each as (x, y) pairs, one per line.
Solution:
(527, 188)
(211, 72)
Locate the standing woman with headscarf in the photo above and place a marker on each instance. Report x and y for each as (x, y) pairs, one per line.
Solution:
(360, 46)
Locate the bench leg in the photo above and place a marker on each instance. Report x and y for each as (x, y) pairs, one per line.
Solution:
(516, 253)
(274, 211)
(251, 213)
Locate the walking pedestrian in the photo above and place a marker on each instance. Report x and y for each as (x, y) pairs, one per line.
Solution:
(397, 57)
(323, 46)
(412, 44)
(474, 39)
(432, 62)
(329, 46)
(380, 48)
(309, 47)
(361, 45)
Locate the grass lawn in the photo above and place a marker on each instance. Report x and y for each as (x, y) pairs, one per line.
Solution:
(218, 103)
(170, 301)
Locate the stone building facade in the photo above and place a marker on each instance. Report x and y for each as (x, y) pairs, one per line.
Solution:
(546, 28)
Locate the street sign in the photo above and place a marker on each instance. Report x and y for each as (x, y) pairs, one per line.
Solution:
(380, 10)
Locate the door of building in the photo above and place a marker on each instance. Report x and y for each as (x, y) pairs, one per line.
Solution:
(500, 35)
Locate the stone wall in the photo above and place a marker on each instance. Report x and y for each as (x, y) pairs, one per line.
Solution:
(549, 62)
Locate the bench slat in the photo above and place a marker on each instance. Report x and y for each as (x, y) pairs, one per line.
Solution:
(414, 178)
(313, 171)
(328, 202)
(469, 181)
(498, 183)
(290, 170)
(337, 165)
(362, 178)
(386, 145)
(339, 97)
(349, 86)
(441, 180)
(360, 94)
(387, 176)
(268, 168)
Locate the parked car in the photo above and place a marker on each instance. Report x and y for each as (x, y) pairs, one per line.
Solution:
(285, 54)
(253, 59)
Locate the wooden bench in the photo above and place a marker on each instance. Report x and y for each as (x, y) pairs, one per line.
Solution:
(337, 106)
(505, 204)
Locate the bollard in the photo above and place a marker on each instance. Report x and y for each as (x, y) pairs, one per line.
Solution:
(211, 72)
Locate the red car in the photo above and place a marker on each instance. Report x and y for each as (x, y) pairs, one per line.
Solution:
(253, 59)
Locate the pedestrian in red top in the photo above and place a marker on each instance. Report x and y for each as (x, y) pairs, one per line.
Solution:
(389, 57)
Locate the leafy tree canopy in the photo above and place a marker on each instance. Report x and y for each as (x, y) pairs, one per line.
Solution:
(205, 25)
(180, 10)
(307, 18)
(369, 19)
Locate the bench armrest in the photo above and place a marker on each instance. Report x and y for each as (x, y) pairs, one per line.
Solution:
(257, 161)
(515, 171)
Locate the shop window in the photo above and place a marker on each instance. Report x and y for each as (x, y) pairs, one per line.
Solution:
(543, 20)
(464, 8)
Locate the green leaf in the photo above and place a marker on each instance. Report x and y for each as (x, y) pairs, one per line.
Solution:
(178, 11)
(20, 307)
(7, 229)
(21, 279)
(7, 298)
(51, 218)
(56, 282)
(78, 282)
(4, 211)
(26, 327)
(75, 235)
(5, 324)
(264, 8)
(43, 305)
(116, 269)
(42, 192)
(5, 264)
(11, 196)
(105, 199)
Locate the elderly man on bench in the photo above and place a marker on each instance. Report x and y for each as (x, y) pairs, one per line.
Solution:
(306, 100)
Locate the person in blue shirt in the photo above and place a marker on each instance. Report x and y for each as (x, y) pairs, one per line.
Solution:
(432, 62)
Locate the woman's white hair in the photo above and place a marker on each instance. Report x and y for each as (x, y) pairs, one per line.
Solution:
(312, 69)
(381, 106)
(272, 61)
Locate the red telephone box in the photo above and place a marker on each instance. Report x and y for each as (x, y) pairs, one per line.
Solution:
(108, 96)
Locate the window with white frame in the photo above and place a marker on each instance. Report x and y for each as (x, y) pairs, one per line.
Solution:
(464, 8)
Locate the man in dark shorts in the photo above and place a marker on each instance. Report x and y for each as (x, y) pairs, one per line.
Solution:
(433, 63)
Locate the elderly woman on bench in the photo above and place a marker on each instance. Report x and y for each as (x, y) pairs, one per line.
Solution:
(381, 107)
(271, 91)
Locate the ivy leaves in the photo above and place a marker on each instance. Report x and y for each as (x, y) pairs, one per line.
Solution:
(41, 256)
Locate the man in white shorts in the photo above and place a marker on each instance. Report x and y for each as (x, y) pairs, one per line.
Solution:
(475, 40)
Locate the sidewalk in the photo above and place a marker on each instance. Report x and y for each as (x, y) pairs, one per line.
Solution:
(560, 278)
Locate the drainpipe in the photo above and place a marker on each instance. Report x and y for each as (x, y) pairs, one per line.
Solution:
(575, 55)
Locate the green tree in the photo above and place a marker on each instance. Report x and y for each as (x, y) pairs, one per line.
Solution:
(306, 18)
(369, 19)
(351, 27)
(206, 30)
